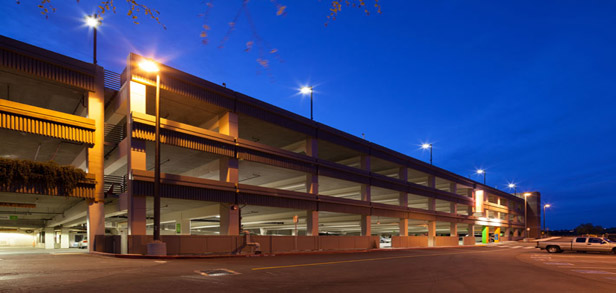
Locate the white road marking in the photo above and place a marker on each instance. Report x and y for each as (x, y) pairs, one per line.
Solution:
(611, 278)
(528, 247)
(594, 272)
(160, 261)
(516, 246)
(559, 263)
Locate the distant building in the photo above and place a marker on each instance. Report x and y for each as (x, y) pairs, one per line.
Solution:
(229, 163)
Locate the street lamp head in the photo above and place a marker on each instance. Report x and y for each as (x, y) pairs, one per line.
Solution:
(547, 205)
(426, 146)
(511, 185)
(527, 194)
(92, 21)
(481, 171)
(306, 90)
(148, 66)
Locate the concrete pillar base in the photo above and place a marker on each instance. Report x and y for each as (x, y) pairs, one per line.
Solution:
(157, 248)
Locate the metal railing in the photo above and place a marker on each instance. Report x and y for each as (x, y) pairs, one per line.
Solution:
(117, 184)
(112, 80)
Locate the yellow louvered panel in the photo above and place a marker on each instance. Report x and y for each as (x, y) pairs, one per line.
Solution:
(56, 130)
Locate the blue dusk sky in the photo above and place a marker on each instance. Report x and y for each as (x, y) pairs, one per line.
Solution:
(524, 89)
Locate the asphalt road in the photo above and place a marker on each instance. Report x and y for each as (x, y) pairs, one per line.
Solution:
(511, 267)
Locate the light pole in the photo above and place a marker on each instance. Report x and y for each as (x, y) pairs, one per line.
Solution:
(482, 171)
(526, 194)
(515, 188)
(93, 22)
(547, 205)
(308, 90)
(151, 67)
(426, 146)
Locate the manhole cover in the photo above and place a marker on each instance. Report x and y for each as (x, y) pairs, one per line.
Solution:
(217, 272)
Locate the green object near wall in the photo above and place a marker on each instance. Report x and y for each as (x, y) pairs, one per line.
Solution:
(178, 228)
(485, 234)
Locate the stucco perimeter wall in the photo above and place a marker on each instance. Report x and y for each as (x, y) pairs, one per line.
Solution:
(469, 240)
(205, 244)
(409, 241)
(446, 241)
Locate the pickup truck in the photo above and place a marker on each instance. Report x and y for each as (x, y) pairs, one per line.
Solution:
(592, 244)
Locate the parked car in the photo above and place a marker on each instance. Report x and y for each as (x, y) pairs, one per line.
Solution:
(585, 244)
(82, 244)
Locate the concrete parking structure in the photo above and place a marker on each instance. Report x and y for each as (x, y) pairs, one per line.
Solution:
(229, 163)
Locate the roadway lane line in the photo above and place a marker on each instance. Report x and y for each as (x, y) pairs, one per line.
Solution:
(593, 272)
(516, 246)
(365, 259)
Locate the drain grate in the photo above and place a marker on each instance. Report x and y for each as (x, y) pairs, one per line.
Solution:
(217, 272)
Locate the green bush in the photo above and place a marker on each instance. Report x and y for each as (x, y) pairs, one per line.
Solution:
(44, 176)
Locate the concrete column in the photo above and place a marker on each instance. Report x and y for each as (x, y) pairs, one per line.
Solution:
(96, 161)
(471, 230)
(96, 224)
(498, 200)
(312, 187)
(49, 238)
(65, 238)
(431, 181)
(228, 124)
(229, 169)
(403, 196)
(507, 233)
(312, 223)
(453, 187)
(453, 229)
(365, 188)
(516, 234)
(366, 225)
(403, 226)
(184, 227)
(229, 219)
(431, 233)
(431, 204)
(136, 203)
(453, 208)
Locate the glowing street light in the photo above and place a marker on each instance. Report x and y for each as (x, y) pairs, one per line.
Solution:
(482, 171)
(151, 67)
(526, 195)
(514, 187)
(308, 90)
(93, 22)
(426, 146)
(547, 205)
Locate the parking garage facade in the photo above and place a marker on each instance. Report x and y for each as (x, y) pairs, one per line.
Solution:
(229, 164)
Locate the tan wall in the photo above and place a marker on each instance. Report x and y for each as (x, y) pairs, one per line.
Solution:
(470, 240)
(446, 241)
(409, 241)
(205, 244)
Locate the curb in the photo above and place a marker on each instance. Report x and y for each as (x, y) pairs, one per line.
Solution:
(323, 252)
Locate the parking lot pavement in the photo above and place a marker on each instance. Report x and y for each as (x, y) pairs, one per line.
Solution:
(472, 269)
(595, 266)
(29, 250)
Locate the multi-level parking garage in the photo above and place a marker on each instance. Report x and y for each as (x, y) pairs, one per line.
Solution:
(230, 163)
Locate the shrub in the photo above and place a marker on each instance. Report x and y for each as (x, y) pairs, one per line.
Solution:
(44, 176)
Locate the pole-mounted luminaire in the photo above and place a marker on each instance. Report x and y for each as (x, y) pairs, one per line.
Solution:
(482, 171)
(526, 195)
(547, 205)
(93, 22)
(151, 67)
(426, 146)
(308, 90)
(514, 187)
